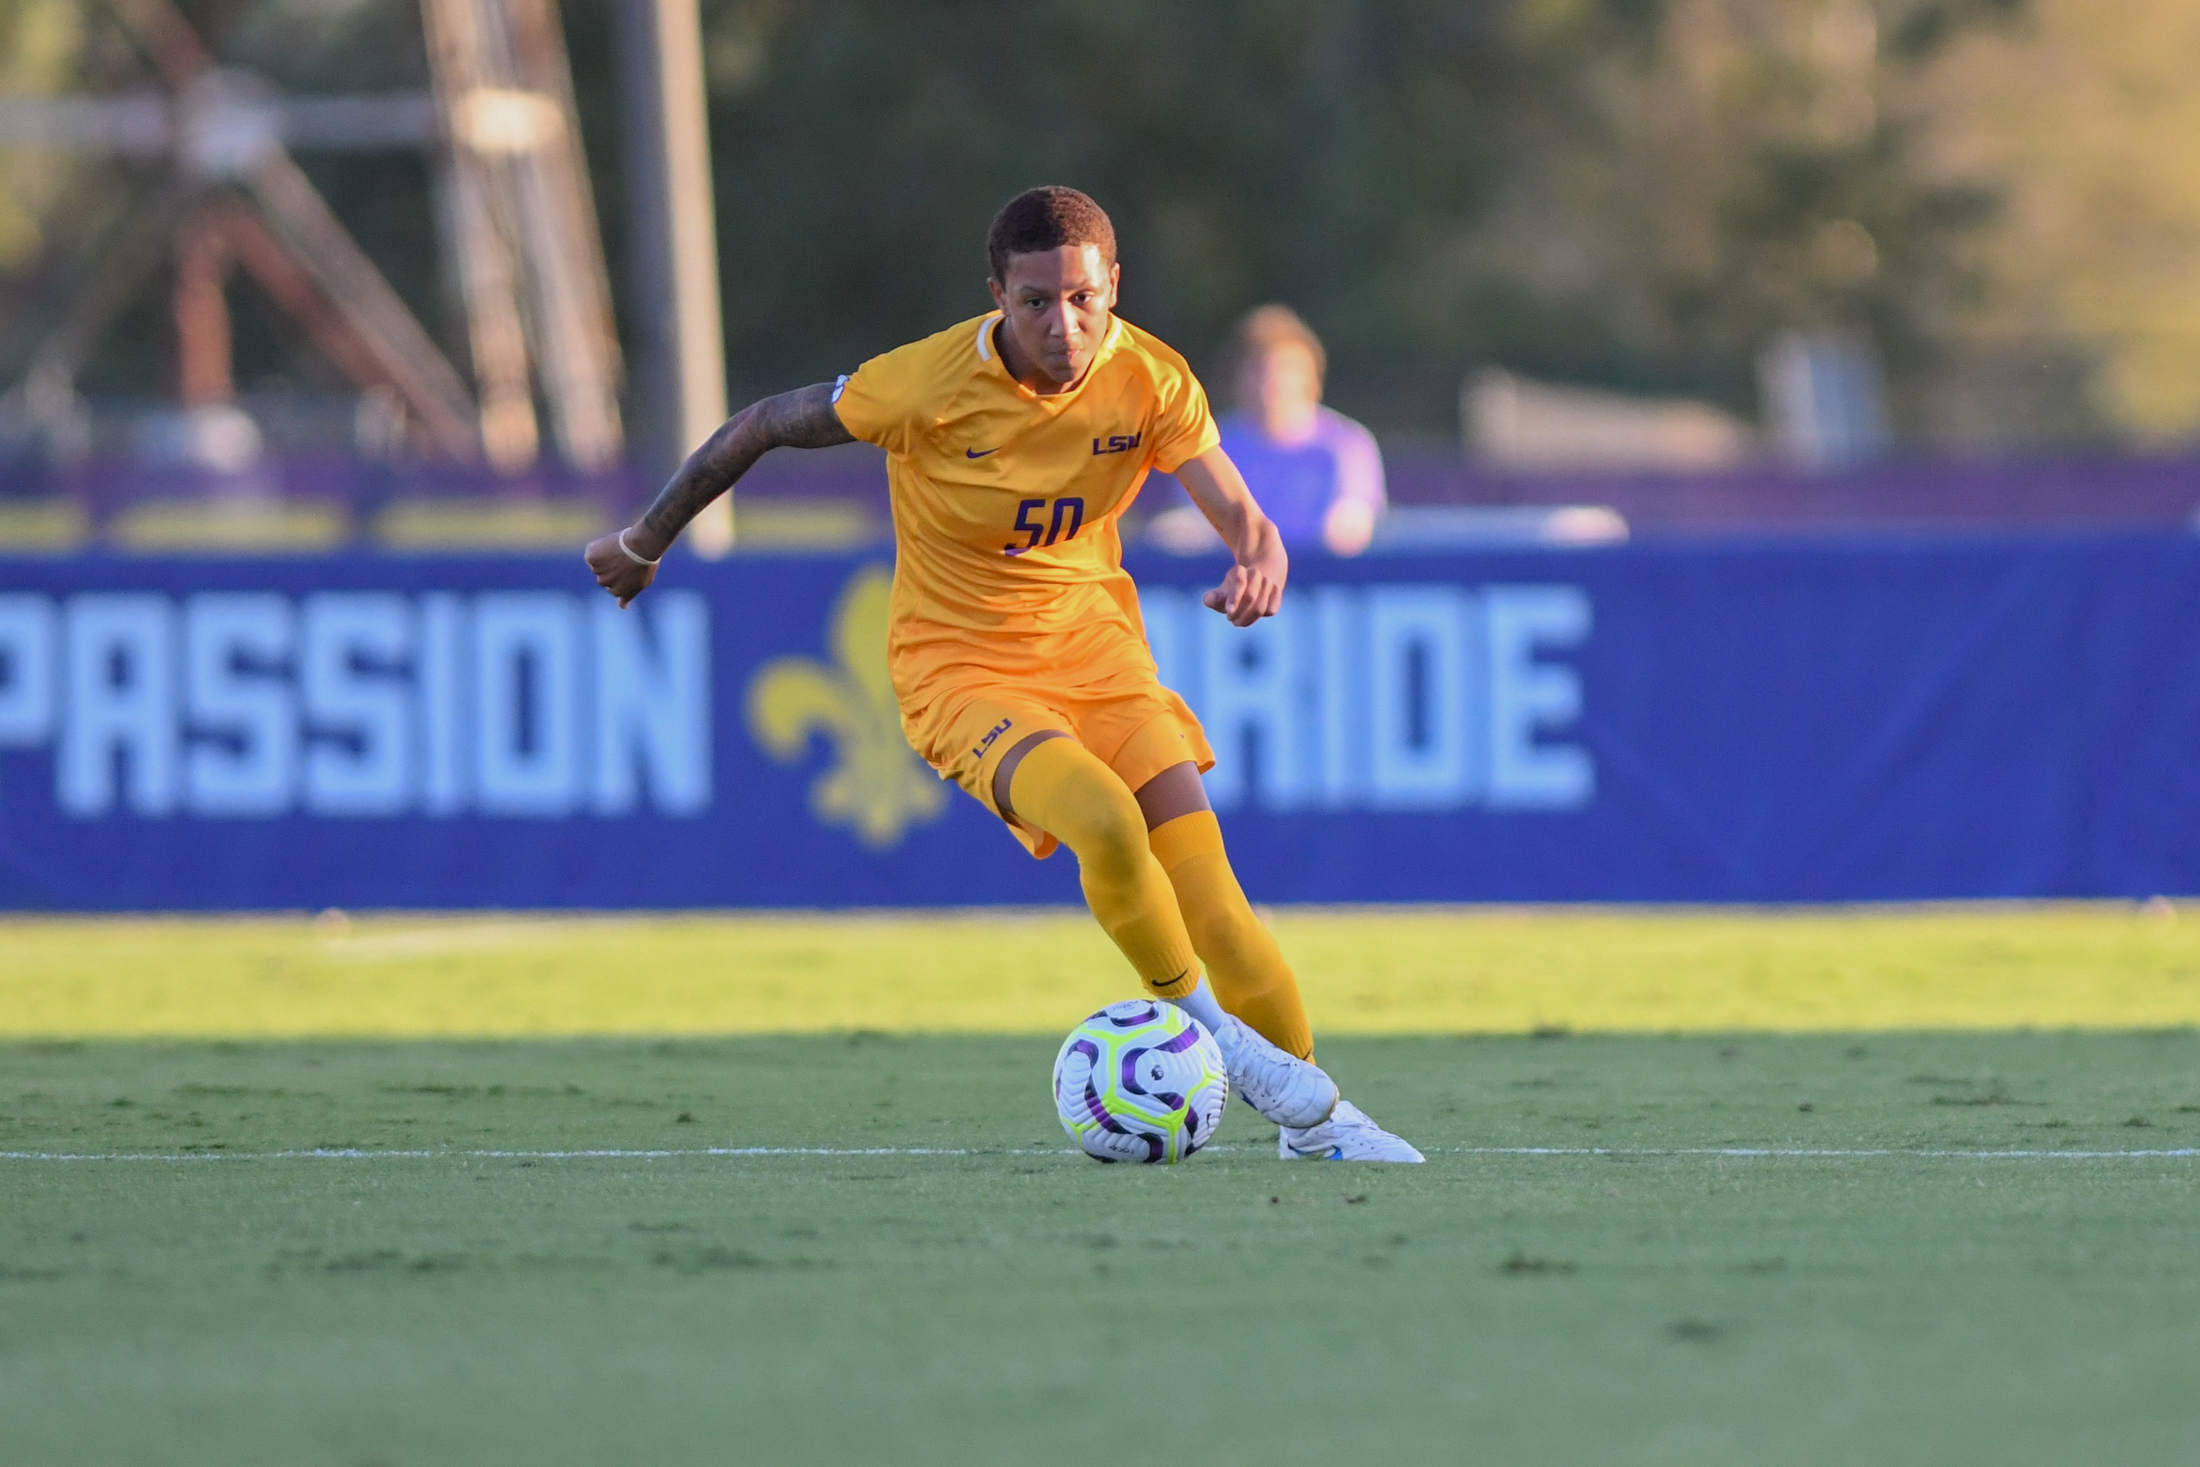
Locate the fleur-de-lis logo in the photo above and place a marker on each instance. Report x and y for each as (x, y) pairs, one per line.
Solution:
(876, 785)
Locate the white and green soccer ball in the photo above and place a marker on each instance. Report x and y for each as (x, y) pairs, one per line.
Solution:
(1140, 1081)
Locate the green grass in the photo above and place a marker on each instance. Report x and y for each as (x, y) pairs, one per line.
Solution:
(1023, 1306)
(1381, 971)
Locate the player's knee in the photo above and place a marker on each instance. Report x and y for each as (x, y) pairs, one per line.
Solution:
(1119, 843)
(1066, 791)
(1107, 831)
(1115, 839)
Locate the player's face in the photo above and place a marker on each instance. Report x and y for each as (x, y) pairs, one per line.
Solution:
(1056, 306)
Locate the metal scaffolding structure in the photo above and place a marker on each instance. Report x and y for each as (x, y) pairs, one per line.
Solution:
(225, 192)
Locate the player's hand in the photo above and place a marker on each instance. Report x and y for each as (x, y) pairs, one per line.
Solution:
(620, 573)
(1246, 594)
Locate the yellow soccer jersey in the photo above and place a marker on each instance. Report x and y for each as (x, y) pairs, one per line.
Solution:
(1006, 502)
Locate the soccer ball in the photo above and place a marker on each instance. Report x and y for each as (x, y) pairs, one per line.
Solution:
(1140, 1081)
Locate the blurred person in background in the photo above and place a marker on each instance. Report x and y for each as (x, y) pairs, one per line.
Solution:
(1316, 472)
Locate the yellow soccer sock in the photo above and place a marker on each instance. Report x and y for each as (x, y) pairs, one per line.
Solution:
(1244, 962)
(1061, 788)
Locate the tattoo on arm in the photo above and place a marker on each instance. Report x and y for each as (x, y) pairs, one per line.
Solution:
(803, 418)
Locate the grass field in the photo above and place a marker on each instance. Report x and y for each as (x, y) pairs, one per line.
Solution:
(1395, 971)
(1702, 1188)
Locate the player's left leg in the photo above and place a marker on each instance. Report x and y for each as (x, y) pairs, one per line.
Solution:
(1152, 744)
(1244, 960)
(1051, 782)
(1245, 963)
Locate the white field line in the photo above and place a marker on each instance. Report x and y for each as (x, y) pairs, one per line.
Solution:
(1805, 1153)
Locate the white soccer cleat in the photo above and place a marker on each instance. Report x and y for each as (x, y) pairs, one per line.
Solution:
(1284, 1088)
(1348, 1135)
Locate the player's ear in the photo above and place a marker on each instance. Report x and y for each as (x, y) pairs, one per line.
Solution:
(1000, 296)
(1115, 284)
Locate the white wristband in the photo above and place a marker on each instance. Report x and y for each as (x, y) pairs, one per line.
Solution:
(630, 555)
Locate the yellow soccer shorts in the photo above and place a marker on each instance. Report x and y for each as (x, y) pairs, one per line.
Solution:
(965, 725)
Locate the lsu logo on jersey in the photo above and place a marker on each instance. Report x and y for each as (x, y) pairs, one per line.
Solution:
(992, 736)
(1115, 443)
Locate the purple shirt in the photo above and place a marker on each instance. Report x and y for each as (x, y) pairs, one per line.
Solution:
(1296, 484)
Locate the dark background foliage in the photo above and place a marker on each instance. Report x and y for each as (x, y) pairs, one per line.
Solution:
(1583, 190)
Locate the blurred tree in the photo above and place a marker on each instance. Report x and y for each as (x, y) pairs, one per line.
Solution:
(2087, 119)
(39, 44)
(1632, 192)
(1714, 171)
(304, 46)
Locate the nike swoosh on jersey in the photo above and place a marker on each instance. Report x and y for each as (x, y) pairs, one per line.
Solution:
(977, 453)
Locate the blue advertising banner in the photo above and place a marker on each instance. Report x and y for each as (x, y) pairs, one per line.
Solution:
(1656, 722)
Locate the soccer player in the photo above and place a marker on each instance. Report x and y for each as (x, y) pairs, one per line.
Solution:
(1014, 443)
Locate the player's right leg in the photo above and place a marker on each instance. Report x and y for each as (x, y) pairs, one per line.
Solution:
(1051, 782)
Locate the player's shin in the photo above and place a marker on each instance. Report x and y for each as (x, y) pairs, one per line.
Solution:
(1061, 788)
(1244, 962)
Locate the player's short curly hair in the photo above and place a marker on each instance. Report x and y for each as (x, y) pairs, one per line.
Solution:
(1047, 219)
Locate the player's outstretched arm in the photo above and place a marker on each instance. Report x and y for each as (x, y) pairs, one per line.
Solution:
(625, 563)
(1254, 586)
